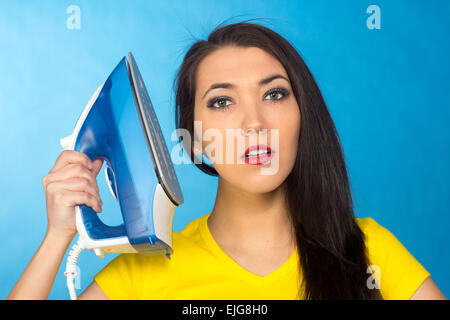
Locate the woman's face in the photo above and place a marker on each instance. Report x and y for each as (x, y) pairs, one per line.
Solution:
(246, 104)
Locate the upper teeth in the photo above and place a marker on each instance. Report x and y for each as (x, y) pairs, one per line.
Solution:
(256, 152)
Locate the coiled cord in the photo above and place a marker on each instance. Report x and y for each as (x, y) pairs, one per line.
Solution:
(71, 267)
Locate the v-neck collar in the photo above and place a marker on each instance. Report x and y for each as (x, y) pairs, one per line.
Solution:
(241, 271)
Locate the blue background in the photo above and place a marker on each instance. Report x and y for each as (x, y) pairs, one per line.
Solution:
(387, 91)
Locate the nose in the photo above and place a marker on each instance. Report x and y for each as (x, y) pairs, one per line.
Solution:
(253, 121)
(252, 130)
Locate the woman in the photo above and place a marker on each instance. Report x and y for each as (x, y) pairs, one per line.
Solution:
(290, 234)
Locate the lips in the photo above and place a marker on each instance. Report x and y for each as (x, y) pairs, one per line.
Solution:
(252, 155)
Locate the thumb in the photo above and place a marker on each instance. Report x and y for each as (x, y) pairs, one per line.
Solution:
(96, 166)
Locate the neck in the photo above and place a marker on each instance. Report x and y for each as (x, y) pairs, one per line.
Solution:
(250, 220)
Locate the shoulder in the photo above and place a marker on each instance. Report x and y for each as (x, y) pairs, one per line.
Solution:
(192, 229)
(370, 227)
(380, 242)
(137, 276)
(185, 244)
(400, 274)
(378, 238)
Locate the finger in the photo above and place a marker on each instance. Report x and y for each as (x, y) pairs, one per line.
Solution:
(75, 184)
(72, 171)
(72, 198)
(71, 156)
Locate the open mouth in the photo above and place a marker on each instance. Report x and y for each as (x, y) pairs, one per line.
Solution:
(258, 154)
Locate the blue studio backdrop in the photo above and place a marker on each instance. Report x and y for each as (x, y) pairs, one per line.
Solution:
(383, 68)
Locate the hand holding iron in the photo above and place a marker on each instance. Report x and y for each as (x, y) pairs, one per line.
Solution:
(72, 181)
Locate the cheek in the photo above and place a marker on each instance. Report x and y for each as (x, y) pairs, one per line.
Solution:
(289, 130)
(288, 123)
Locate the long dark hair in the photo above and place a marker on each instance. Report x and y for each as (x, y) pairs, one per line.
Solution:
(331, 246)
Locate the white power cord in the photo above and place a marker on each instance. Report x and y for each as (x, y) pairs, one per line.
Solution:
(71, 267)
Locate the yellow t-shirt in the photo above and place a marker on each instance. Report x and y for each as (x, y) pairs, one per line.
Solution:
(200, 269)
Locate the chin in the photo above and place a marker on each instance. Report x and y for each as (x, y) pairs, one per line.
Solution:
(258, 183)
(261, 188)
(250, 178)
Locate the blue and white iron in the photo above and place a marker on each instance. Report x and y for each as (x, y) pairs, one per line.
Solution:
(120, 126)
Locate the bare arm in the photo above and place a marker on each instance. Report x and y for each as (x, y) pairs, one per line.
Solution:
(37, 279)
(428, 291)
(72, 181)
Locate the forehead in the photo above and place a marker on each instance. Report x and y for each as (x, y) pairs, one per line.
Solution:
(237, 65)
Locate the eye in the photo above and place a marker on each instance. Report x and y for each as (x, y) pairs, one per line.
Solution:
(277, 94)
(220, 103)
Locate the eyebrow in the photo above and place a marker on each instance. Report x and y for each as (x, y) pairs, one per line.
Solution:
(228, 85)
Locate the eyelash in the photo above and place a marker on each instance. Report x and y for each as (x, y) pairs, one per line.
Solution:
(283, 91)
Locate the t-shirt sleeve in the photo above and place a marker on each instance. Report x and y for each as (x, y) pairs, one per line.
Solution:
(400, 274)
(119, 279)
